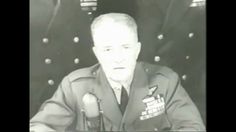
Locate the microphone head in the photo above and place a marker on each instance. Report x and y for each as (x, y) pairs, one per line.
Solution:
(91, 107)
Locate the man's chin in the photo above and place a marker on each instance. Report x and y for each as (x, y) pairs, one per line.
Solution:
(119, 79)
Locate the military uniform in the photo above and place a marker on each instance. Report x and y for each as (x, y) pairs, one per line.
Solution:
(152, 86)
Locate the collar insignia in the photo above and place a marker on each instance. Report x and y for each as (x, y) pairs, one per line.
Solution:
(152, 90)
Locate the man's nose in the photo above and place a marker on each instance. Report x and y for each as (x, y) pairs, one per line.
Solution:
(118, 58)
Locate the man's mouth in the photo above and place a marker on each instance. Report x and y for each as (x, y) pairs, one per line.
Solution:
(119, 68)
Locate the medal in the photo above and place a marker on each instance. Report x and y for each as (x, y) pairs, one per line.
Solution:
(154, 107)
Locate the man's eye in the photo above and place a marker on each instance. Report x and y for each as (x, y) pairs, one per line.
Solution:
(107, 49)
(126, 47)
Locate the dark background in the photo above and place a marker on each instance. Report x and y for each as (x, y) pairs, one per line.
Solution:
(182, 48)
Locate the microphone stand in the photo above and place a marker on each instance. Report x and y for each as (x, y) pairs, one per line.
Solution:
(101, 127)
(101, 122)
(85, 126)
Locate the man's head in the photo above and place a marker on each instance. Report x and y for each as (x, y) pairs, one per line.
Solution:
(116, 45)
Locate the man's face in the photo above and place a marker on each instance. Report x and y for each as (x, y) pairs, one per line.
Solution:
(117, 48)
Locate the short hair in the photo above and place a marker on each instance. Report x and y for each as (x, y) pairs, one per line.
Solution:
(114, 17)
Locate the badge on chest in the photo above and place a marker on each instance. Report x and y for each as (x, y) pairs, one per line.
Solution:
(154, 106)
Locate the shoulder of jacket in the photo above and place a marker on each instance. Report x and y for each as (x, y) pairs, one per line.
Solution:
(87, 72)
(154, 69)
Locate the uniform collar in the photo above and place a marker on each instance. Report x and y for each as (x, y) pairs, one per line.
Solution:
(116, 85)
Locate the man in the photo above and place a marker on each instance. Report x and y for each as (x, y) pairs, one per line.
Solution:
(132, 96)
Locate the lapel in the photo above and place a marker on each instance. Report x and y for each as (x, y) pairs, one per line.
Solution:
(108, 103)
(175, 11)
(139, 89)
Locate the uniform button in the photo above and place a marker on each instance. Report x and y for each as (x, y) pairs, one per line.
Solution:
(50, 82)
(187, 57)
(146, 69)
(76, 39)
(48, 61)
(160, 37)
(45, 40)
(94, 73)
(76, 60)
(82, 110)
(190, 35)
(155, 129)
(184, 77)
(89, 13)
(157, 58)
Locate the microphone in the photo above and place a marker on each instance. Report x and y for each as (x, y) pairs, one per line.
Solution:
(91, 107)
(92, 112)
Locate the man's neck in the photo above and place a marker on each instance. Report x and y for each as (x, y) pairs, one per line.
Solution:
(119, 84)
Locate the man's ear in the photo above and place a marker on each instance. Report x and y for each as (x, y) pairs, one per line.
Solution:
(95, 52)
(138, 49)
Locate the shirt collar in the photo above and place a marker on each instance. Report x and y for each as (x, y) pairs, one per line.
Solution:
(116, 85)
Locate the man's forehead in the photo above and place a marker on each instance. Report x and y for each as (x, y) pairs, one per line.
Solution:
(114, 29)
(114, 37)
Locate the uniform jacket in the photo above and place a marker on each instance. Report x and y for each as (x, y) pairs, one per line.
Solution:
(62, 112)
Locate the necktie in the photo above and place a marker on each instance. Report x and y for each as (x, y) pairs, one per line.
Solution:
(124, 100)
